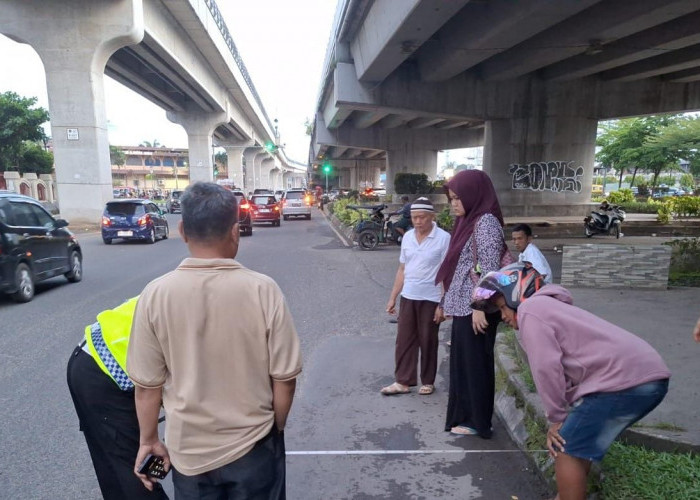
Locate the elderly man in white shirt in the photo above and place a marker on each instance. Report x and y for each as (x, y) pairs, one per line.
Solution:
(529, 253)
(422, 250)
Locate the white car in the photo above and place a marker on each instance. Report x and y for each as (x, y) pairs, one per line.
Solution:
(296, 203)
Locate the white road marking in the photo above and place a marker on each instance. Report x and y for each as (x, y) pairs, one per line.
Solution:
(401, 452)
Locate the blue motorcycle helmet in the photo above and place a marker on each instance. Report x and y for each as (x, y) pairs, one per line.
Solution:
(515, 282)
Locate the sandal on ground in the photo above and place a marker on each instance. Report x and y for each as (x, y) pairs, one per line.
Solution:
(395, 388)
(426, 389)
(463, 430)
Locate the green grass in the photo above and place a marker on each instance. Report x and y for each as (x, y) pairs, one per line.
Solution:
(684, 278)
(632, 472)
(523, 367)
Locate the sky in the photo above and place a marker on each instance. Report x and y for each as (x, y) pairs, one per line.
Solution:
(282, 43)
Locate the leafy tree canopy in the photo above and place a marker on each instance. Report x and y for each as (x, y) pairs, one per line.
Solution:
(116, 156)
(19, 121)
(683, 139)
(627, 144)
(34, 158)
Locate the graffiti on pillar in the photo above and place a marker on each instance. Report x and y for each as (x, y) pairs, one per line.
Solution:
(556, 176)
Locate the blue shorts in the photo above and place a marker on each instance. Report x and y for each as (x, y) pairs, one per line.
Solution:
(597, 419)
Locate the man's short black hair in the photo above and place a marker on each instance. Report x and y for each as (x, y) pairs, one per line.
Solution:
(209, 211)
(524, 228)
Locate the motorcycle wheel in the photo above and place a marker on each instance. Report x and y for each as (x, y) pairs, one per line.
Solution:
(616, 231)
(587, 231)
(368, 240)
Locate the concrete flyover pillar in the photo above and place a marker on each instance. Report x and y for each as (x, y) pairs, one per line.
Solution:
(235, 155)
(200, 127)
(74, 41)
(538, 163)
(408, 159)
(257, 171)
(353, 179)
(266, 167)
(250, 154)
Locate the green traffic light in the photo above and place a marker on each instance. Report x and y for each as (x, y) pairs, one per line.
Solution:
(326, 169)
(270, 146)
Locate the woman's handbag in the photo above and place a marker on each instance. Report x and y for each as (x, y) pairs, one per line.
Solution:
(475, 272)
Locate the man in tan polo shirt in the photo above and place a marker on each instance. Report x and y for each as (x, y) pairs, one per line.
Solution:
(217, 343)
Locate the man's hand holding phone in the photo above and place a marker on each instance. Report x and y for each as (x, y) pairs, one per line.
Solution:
(152, 463)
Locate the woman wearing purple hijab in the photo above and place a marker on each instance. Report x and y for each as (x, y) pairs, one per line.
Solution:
(478, 231)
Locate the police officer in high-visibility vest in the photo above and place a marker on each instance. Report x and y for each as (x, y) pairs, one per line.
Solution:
(103, 397)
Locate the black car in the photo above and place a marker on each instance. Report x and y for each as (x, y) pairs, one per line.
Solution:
(34, 247)
(244, 219)
(133, 219)
(173, 203)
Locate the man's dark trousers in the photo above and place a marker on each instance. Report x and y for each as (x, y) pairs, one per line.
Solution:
(108, 420)
(257, 475)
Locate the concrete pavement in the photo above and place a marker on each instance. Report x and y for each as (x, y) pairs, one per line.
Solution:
(663, 318)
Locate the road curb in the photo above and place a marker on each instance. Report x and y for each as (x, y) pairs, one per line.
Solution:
(344, 233)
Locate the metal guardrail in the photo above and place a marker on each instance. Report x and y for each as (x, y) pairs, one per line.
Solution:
(219, 20)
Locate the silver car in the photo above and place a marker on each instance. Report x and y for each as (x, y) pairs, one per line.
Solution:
(296, 203)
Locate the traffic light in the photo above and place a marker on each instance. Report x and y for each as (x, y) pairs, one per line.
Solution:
(270, 146)
(327, 168)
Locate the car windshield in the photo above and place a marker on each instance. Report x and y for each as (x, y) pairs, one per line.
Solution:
(295, 195)
(124, 209)
(264, 200)
(176, 195)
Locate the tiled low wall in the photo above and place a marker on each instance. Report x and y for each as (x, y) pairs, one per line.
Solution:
(615, 266)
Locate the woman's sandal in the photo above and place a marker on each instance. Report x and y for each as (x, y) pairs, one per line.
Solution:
(395, 388)
(463, 430)
(426, 389)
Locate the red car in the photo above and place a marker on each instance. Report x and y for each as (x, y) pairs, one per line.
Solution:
(264, 208)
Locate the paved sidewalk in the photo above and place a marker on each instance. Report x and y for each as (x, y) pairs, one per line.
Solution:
(664, 318)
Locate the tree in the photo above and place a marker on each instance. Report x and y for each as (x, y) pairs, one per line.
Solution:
(33, 158)
(308, 126)
(19, 122)
(683, 139)
(625, 144)
(154, 144)
(117, 156)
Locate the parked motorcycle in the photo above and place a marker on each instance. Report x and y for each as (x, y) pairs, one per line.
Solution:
(606, 221)
(375, 229)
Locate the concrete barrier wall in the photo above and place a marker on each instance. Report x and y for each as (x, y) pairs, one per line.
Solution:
(616, 266)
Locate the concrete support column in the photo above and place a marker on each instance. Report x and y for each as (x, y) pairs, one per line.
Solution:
(409, 159)
(250, 154)
(235, 165)
(538, 163)
(377, 173)
(353, 179)
(75, 42)
(266, 167)
(199, 127)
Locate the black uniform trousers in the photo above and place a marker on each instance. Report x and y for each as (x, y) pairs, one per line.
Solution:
(108, 420)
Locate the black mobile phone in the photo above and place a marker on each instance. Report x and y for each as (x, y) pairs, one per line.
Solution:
(153, 466)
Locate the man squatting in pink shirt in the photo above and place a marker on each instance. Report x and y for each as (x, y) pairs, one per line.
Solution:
(595, 379)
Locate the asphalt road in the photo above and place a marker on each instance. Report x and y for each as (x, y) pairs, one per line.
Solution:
(344, 440)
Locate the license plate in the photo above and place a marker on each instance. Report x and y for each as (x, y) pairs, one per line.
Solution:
(264, 210)
(125, 233)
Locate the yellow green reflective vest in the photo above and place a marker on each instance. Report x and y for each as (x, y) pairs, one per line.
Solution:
(108, 340)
